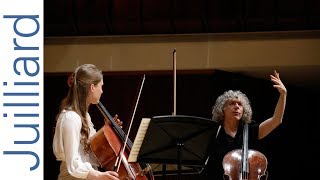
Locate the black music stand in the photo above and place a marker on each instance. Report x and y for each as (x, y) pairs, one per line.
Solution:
(179, 139)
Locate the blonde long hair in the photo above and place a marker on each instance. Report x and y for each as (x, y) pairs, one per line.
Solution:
(76, 99)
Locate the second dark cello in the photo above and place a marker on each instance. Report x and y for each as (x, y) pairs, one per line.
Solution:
(111, 147)
(245, 164)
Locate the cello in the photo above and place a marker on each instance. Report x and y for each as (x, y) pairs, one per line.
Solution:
(111, 147)
(245, 164)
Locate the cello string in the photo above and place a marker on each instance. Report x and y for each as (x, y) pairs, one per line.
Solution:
(245, 164)
(134, 111)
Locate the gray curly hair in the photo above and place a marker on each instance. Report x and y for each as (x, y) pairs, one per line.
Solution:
(218, 108)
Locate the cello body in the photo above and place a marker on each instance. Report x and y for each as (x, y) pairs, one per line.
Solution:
(232, 163)
(111, 150)
(245, 163)
(106, 146)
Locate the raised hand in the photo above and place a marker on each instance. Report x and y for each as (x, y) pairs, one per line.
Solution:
(275, 78)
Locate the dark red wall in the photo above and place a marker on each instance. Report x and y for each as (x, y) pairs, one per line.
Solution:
(290, 146)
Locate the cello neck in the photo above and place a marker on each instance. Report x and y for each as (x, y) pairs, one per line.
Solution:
(116, 127)
(245, 162)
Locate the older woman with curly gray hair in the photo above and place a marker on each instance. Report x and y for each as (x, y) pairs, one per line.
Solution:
(221, 102)
(232, 110)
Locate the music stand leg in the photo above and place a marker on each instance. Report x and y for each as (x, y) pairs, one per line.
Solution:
(179, 147)
(164, 169)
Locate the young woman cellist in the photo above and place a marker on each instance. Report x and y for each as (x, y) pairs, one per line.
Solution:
(74, 127)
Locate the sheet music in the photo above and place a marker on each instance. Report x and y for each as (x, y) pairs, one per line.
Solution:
(139, 139)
